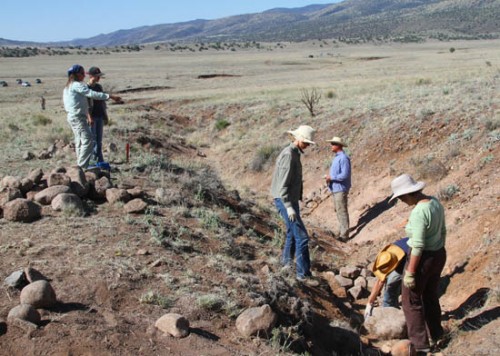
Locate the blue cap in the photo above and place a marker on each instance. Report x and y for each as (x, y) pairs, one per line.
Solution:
(75, 68)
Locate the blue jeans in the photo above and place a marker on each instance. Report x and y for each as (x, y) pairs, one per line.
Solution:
(392, 290)
(97, 130)
(297, 241)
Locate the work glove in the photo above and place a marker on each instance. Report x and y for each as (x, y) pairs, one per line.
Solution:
(409, 280)
(292, 216)
(368, 310)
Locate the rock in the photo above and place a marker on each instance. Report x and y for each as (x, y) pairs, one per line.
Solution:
(22, 210)
(36, 175)
(173, 324)
(361, 282)
(32, 275)
(44, 154)
(101, 186)
(68, 202)
(344, 282)
(39, 294)
(15, 280)
(135, 206)
(135, 192)
(387, 323)
(28, 156)
(355, 292)
(370, 282)
(78, 183)
(24, 312)
(401, 348)
(114, 195)
(335, 286)
(366, 273)
(8, 194)
(11, 182)
(26, 185)
(46, 196)
(350, 272)
(58, 179)
(256, 321)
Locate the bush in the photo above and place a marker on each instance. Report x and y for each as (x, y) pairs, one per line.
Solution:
(41, 120)
(264, 155)
(331, 94)
(221, 124)
(452, 49)
(448, 192)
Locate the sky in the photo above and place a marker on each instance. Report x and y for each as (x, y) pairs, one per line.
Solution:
(63, 20)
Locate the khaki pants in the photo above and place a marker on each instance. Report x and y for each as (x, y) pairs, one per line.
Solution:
(84, 143)
(340, 204)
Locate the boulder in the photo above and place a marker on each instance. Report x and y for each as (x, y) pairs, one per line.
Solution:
(135, 206)
(350, 272)
(355, 292)
(46, 196)
(26, 185)
(11, 182)
(335, 286)
(39, 294)
(135, 193)
(101, 185)
(361, 282)
(78, 183)
(114, 195)
(22, 210)
(58, 179)
(24, 312)
(401, 348)
(173, 324)
(16, 279)
(33, 275)
(344, 282)
(387, 323)
(66, 202)
(8, 194)
(36, 175)
(256, 321)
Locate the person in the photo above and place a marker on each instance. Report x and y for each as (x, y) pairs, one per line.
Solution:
(339, 183)
(388, 268)
(286, 190)
(97, 111)
(426, 230)
(75, 96)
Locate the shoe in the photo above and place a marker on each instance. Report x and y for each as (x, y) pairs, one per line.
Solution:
(103, 165)
(308, 281)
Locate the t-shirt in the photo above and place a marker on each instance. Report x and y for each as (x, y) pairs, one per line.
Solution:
(98, 106)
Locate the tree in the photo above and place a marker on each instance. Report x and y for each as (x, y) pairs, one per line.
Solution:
(310, 98)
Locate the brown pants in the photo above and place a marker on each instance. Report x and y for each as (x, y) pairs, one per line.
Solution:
(421, 305)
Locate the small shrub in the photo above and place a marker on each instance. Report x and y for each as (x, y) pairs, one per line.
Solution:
(423, 81)
(221, 124)
(155, 298)
(210, 302)
(264, 154)
(331, 94)
(41, 120)
(448, 193)
(452, 49)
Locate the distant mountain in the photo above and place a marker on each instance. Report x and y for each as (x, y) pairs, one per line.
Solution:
(351, 19)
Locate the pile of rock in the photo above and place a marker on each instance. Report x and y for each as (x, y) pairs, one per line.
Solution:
(22, 199)
(352, 281)
(36, 293)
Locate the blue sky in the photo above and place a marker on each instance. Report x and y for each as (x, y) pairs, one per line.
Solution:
(61, 20)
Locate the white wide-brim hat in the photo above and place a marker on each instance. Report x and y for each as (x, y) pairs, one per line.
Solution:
(304, 133)
(338, 141)
(404, 184)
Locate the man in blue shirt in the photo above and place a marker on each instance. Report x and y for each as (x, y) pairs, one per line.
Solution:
(339, 183)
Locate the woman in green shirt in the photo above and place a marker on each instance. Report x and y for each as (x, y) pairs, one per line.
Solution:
(427, 232)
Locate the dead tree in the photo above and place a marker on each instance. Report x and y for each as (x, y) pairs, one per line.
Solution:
(310, 98)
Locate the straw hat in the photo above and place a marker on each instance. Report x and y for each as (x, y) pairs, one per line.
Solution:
(338, 141)
(404, 184)
(387, 260)
(304, 133)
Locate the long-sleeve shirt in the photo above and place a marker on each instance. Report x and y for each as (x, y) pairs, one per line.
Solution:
(75, 99)
(340, 173)
(287, 177)
(426, 227)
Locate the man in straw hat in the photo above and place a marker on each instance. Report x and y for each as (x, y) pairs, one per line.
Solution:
(426, 230)
(286, 189)
(388, 268)
(339, 183)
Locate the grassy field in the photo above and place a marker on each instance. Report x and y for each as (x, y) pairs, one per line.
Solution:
(430, 109)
